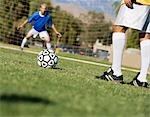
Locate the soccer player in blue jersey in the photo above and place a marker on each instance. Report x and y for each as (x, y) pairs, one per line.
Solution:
(41, 19)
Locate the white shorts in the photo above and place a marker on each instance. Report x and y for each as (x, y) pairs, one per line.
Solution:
(136, 18)
(43, 34)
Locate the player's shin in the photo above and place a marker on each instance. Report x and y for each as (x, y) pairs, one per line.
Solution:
(118, 46)
(48, 45)
(23, 42)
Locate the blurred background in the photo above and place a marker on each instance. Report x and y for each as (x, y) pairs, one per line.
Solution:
(86, 26)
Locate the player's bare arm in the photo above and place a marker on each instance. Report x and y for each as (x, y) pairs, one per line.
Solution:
(22, 25)
(55, 30)
(129, 3)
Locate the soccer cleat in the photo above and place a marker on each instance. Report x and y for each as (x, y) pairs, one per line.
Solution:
(108, 76)
(137, 83)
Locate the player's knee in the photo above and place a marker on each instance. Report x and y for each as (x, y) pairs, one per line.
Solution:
(28, 36)
(144, 36)
(119, 28)
(47, 40)
(147, 36)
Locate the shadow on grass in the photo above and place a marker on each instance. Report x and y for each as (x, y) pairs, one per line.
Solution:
(14, 98)
(57, 68)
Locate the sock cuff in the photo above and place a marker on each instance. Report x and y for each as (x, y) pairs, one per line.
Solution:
(118, 34)
(145, 42)
(48, 45)
(25, 38)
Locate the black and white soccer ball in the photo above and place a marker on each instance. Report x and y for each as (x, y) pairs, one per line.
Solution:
(47, 59)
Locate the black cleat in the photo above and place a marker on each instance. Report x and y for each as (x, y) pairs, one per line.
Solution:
(137, 83)
(108, 76)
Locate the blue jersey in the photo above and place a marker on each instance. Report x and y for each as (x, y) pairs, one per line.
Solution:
(40, 21)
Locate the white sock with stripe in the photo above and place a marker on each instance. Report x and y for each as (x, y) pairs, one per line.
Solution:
(48, 45)
(23, 42)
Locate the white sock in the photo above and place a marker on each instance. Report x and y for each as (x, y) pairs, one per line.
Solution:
(48, 45)
(145, 60)
(118, 40)
(23, 42)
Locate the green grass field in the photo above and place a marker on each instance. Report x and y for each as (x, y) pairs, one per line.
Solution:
(69, 91)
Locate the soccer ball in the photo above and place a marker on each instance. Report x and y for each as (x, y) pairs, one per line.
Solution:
(47, 59)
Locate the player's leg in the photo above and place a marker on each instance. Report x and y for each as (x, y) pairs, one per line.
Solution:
(45, 36)
(125, 18)
(29, 34)
(140, 79)
(118, 42)
(145, 57)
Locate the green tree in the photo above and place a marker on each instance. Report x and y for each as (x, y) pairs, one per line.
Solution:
(69, 26)
(35, 4)
(96, 27)
(11, 12)
(116, 6)
(133, 39)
